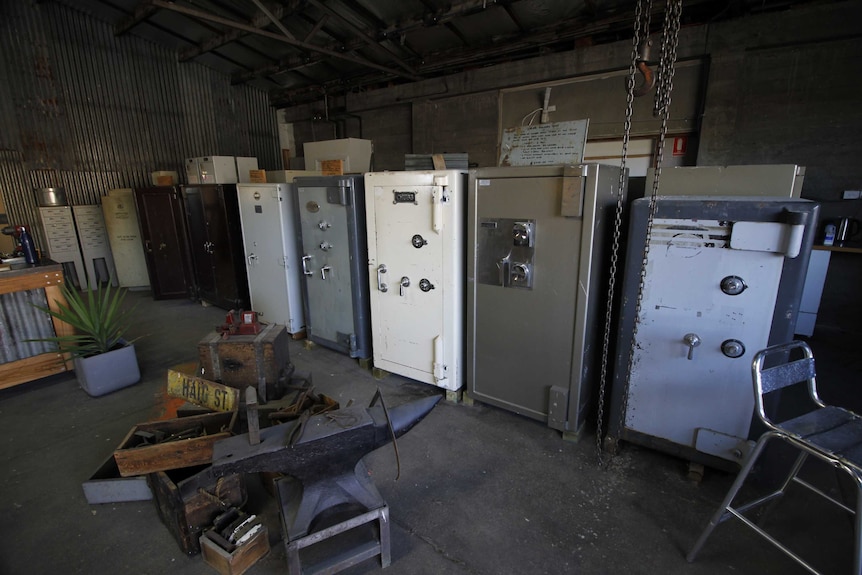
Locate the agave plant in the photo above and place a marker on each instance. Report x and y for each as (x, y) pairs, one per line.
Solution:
(98, 319)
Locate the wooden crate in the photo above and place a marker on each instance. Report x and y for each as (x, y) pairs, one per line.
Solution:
(240, 559)
(185, 510)
(135, 458)
(243, 360)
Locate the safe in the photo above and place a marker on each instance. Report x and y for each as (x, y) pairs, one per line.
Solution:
(330, 213)
(722, 280)
(538, 253)
(415, 223)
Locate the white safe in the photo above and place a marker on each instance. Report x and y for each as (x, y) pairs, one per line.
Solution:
(272, 257)
(415, 223)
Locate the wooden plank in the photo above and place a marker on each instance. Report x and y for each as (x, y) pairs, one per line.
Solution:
(31, 368)
(55, 297)
(36, 280)
(202, 392)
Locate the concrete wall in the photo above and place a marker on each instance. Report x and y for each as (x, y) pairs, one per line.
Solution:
(780, 88)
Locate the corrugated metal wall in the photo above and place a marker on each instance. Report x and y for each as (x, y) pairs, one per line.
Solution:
(87, 111)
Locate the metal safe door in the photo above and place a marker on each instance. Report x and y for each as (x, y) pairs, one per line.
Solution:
(526, 279)
(326, 265)
(406, 282)
(262, 229)
(706, 311)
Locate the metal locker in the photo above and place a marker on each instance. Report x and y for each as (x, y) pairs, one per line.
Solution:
(723, 280)
(416, 246)
(334, 246)
(536, 287)
(271, 253)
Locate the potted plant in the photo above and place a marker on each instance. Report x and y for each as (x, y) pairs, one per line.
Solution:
(104, 361)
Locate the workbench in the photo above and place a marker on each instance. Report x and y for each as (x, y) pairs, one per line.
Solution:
(47, 276)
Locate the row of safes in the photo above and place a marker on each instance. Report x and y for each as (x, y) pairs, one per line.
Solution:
(433, 272)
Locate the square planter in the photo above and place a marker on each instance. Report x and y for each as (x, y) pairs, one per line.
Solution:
(107, 372)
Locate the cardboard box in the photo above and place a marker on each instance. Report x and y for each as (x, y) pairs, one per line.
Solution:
(257, 176)
(188, 500)
(135, 457)
(164, 178)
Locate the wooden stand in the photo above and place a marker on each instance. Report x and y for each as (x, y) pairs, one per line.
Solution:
(47, 276)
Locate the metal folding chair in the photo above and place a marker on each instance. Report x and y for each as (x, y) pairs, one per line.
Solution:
(829, 433)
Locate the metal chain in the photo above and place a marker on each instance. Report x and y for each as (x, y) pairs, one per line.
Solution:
(670, 36)
(639, 27)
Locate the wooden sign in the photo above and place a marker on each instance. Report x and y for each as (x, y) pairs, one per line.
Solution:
(202, 392)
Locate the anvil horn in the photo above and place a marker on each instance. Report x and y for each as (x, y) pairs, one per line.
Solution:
(404, 417)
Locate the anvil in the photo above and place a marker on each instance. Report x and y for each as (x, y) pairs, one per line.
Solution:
(324, 456)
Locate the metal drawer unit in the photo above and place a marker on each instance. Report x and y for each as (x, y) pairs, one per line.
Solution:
(334, 245)
(723, 280)
(416, 246)
(59, 227)
(538, 247)
(94, 245)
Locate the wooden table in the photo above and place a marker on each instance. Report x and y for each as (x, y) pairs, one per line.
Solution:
(48, 276)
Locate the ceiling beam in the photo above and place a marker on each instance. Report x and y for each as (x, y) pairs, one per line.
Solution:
(143, 10)
(281, 38)
(260, 20)
(275, 19)
(362, 35)
(456, 9)
(316, 28)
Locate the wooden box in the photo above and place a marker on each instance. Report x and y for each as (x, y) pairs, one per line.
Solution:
(189, 499)
(240, 559)
(243, 360)
(134, 457)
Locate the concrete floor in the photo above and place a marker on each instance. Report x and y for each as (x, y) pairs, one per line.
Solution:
(482, 491)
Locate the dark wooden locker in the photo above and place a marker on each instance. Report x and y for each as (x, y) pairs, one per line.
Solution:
(163, 228)
(215, 233)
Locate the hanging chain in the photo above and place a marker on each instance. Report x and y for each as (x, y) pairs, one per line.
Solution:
(664, 88)
(641, 26)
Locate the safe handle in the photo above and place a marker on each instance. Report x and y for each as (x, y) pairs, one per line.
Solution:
(503, 270)
(405, 282)
(692, 340)
(323, 271)
(381, 269)
(251, 259)
(305, 265)
(149, 246)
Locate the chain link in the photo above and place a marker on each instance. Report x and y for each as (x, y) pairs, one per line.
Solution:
(664, 88)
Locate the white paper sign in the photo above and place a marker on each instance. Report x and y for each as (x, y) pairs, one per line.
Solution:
(544, 144)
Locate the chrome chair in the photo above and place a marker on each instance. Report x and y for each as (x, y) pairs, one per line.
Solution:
(831, 434)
